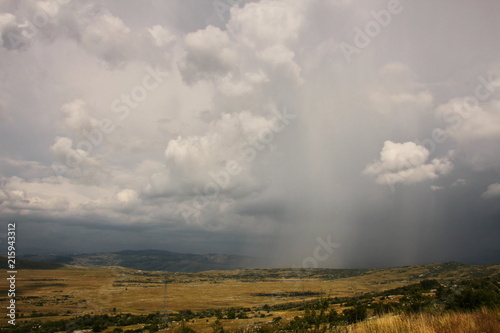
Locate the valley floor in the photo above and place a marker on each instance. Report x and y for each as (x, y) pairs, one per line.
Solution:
(431, 298)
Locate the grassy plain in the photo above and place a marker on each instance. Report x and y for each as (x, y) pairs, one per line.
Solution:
(72, 291)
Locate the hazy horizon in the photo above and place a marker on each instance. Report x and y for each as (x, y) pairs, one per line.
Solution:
(320, 133)
(260, 263)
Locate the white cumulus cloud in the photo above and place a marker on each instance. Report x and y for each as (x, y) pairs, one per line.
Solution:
(493, 191)
(406, 163)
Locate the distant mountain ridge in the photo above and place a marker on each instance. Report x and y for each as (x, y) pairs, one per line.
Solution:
(27, 264)
(151, 260)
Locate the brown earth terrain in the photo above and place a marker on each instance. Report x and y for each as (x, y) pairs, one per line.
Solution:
(69, 291)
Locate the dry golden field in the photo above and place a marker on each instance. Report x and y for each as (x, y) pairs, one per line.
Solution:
(73, 291)
(451, 322)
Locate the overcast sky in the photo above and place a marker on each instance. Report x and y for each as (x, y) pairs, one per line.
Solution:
(333, 133)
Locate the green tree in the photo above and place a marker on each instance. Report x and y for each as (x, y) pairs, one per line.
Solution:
(217, 327)
(414, 302)
(231, 313)
(355, 314)
(298, 325)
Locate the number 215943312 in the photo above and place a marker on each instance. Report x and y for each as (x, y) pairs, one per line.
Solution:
(11, 241)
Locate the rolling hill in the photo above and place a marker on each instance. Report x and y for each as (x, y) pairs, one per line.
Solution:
(28, 264)
(151, 260)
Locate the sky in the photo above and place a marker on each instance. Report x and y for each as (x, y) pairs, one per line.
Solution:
(315, 133)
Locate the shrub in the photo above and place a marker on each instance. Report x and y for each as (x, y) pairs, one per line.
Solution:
(355, 314)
